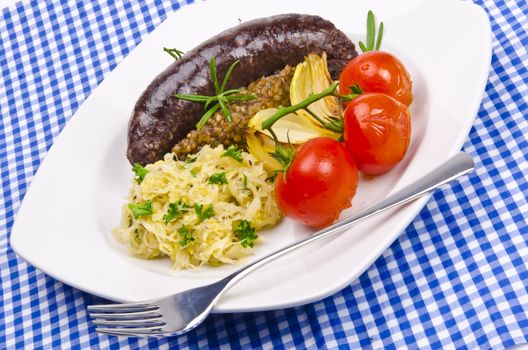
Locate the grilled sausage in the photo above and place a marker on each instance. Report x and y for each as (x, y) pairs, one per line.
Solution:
(263, 46)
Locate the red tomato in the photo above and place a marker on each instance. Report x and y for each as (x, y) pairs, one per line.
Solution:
(377, 132)
(377, 71)
(319, 184)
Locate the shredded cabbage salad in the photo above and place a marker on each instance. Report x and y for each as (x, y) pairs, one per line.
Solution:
(206, 210)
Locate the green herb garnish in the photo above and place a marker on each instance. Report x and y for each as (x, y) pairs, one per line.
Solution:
(233, 152)
(245, 182)
(140, 172)
(175, 210)
(175, 53)
(246, 233)
(194, 172)
(185, 235)
(202, 213)
(373, 42)
(142, 209)
(222, 97)
(218, 179)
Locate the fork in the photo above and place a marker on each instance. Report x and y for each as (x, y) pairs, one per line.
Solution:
(181, 312)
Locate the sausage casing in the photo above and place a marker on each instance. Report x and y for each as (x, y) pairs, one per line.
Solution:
(263, 46)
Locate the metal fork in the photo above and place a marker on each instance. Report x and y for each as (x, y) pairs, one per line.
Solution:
(183, 311)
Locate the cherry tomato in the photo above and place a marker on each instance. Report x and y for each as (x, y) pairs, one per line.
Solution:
(319, 184)
(377, 71)
(377, 132)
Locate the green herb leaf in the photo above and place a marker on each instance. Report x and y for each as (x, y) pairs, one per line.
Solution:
(225, 111)
(362, 47)
(185, 235)
(192, 98)
(371, 30)
(140, 172)
(206, 116)
(175, 53)
(238, 98)
(194, 172)
(246, 233)
(373, 42)
(233, 152)
(228, 74)
(210, 100)
(230, 92)
(202, 213)
(142, 209)
(218, 179)
(245, 183)
(214, 76)
(380, 35)
(175, 210)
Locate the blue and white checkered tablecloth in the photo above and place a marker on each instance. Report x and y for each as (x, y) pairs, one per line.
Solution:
(457, 277)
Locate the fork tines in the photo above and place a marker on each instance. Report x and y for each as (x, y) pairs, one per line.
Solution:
(127, 319)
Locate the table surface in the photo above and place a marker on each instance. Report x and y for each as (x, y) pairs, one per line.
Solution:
(455, 278)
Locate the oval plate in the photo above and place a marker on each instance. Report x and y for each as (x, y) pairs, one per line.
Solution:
(87, 176)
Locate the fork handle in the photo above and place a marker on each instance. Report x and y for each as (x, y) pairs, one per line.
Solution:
(455, 167)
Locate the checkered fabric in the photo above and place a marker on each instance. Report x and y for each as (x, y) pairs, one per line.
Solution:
(456, 277)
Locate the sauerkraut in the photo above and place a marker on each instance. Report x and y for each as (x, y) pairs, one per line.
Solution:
(204, 210)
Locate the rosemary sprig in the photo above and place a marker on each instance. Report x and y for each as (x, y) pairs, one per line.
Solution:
(175, 53)
(373, 42)
(221, 99)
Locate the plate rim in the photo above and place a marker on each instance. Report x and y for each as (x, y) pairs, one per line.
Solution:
(416, 206)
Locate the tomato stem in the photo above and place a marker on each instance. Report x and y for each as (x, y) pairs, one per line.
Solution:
(283, 111)
(335, 125)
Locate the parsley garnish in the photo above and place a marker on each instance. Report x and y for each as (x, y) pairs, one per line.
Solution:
(175, 210)
(234, 153)
(140, 172)
(186, 236)
(218, 179)
(202, 213)
(142, 209)
(194, 172)
(246, 233)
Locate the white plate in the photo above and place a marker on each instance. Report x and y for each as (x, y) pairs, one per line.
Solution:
(64, 224)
